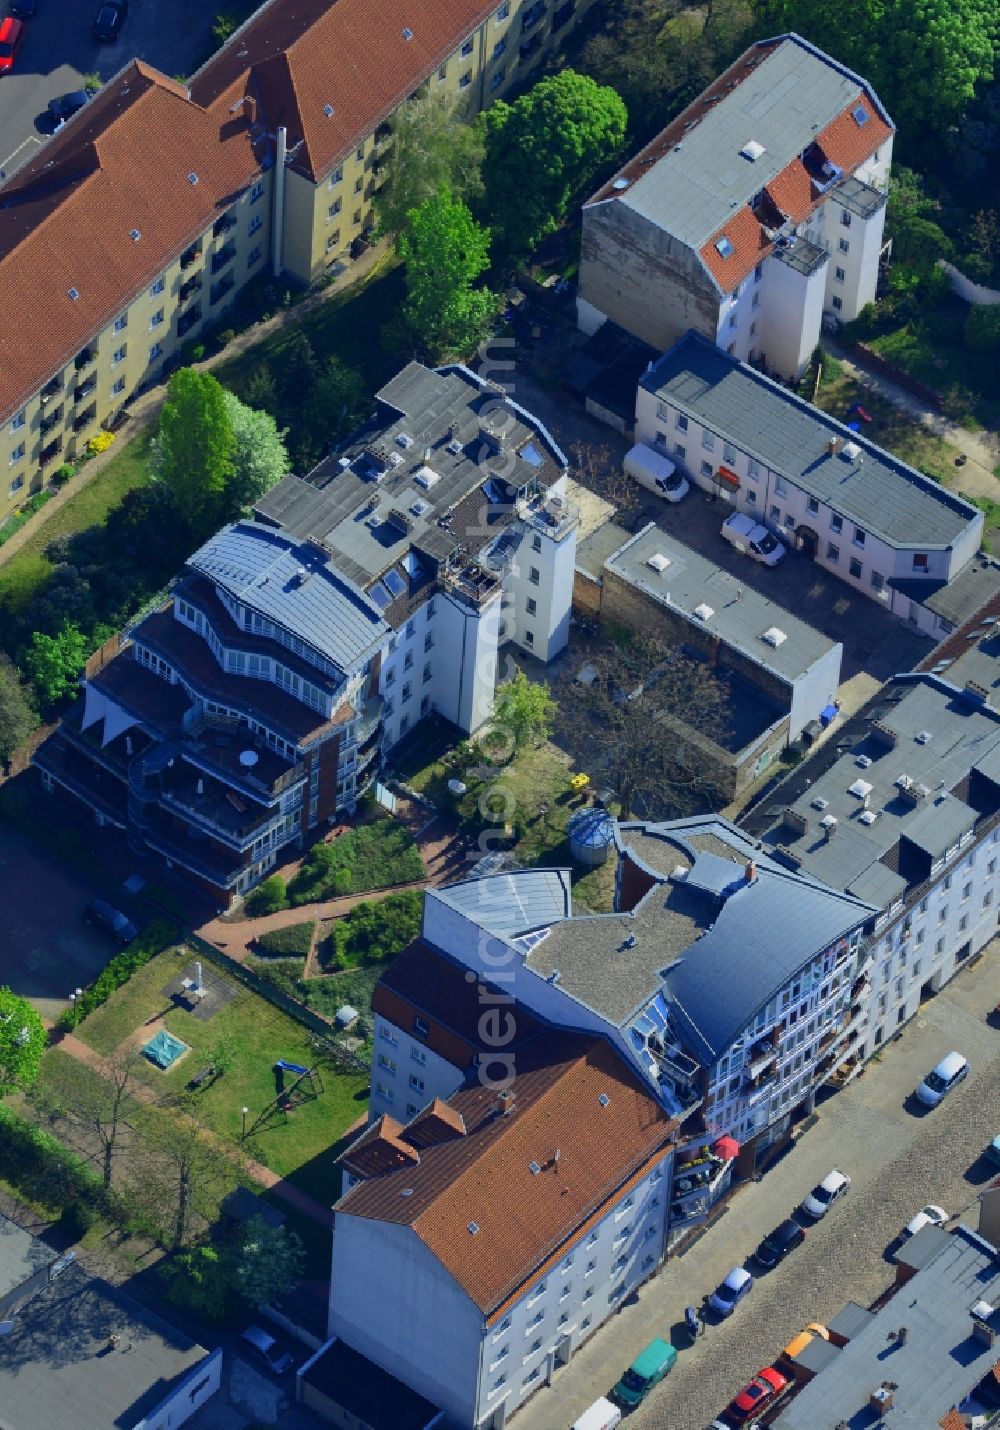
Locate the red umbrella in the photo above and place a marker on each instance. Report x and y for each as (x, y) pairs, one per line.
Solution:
(726, 1148)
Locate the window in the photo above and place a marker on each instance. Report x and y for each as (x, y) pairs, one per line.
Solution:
(385, 1093)
(536, 543)
(256, 222)
(408, 660)
(836, 303)
(751, 498)
(680, 451)
(17, 484)
(534, 575)
(417, 1083)
(254, 255)
(681, 422)
(357, 217)
(839, 274)
(503, 12)
(780, 487)
(17, 453)
(156, 320)
(708, 441)
(384, 1061)
(418, 1054)
(360, 154)
(775, 513)
(157, 287)
(498, 1384)
(590, 1269)
(467, 49)
(443, 72)
(118, 355)
(845, 218)
(706, 469)
(119, 387)
(334, 209)
(836, 523)
(855, 568)
(359, 184)
(877, 581)
(859, 536)
(465, 80)
(755, 303)
(121, 323)
(337, 177)
(529, 638)
(987, 899)
(753, 469)
(728, 452)
(942, 913)
(758, 273)
(407, 692)
(531, 606)
(499, 47)
(920, 561)
(844, 246)
(813, 505)
(388, 706)
(733, 318)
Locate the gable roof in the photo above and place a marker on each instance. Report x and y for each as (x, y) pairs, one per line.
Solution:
(493, 1204)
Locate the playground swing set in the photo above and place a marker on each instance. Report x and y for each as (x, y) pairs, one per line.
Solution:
(307, 1086)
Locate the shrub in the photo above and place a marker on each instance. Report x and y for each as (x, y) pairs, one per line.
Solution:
(225, 337)
(375, 932)
(192, 352)
(372, 856)
(77, 1219)
(100, 442)
(62, 474)
(296, 940)
(268, 898)
(157, 936)
(15, 523)
(41, 1168)
(982, 327)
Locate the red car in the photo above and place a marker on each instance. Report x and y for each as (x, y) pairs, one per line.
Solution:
(765, 1387)
(11, 34)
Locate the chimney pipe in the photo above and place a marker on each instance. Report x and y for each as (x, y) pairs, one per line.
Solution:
(751, 871)
(277, 231)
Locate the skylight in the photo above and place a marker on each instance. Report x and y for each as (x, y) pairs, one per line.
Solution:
(407, 33)
(723, 247)
(860, 115)
(394, 581)
(604, 1099)
(532, 455)
(534, 1168)
(473, 1228)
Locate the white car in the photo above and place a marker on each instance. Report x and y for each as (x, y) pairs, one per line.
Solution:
(950, 1071)
(822, 1197)
(927, 1216)
(752, 539)
(727, 1296)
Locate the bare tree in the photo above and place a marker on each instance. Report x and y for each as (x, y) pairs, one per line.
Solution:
(651, 721)
(597, 468)
(184, 1176)
(103, 1106)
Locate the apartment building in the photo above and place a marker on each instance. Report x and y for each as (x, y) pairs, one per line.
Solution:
(757, 211)
(481, 1243)
(236, 720)
(861, 513)
(449, 510)
(137, 224)
(779, 674)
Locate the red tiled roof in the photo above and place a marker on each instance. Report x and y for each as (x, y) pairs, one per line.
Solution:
(847, 143)
(792, 191)
(437, 1123)
(379, 1149)
(749, 242)
(523, 1180)
(952, 1420)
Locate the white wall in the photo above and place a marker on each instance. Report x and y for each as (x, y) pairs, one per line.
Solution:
(541, 628)
(400, 1063)
(197, 1387)
(814, 689)
(792, 316)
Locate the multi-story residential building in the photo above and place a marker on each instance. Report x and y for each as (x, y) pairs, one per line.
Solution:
(237, 719)
(481, 1243)
(269, 157)
(757, 210)
(300, 645)
(861, 513)
(449, 510)
(778, 672)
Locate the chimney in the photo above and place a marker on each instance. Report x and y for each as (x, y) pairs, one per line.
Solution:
(901, 1336)
(881, 1398)
(832, 445)
(750, 871)
(794, 821)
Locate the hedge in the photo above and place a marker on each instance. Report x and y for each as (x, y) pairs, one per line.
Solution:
(294, 941)
(15, 523)
(157, 936)
(39, 1167)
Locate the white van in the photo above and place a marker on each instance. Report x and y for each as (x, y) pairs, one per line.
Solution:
(602, 1415)
(655, 472)
(752, 539)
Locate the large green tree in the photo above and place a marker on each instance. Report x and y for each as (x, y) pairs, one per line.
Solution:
(22, 1043)
(17, 718)
(542, 152)
(268, 1262)
(445, 251)
(259, 458)
(54, 664)
(526, 710)
(430, 146)
(196, 447)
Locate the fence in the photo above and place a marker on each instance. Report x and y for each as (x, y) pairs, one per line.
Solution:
(315, 1022)
(867, 358)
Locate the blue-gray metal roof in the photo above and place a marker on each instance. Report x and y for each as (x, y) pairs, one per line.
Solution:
(876, 490)
(295, 585)
(511, 904)
(762, 935)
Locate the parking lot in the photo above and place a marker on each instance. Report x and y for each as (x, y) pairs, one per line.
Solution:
(58, 52)
(898, 1160)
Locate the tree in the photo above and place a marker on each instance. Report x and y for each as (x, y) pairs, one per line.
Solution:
(542, 152)
(22, 1043)
(982, 328)
(328, 410)
(196, 446)
(919, 240)
(53, 664)
(431, 146)
(445, 251)
(599, 470)
(183, 1175)
(649, 720)
(526, 709)
(223, 1053)
(17, 719)
(268, 1262)
(259, 457)
(102, 1106)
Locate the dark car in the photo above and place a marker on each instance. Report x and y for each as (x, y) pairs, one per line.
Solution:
(779, 1242)
(103, 916)
(24, 9)
(64, 106)
(109, 20)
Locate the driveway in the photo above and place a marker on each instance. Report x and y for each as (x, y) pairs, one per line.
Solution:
(58, 51)
(46, 950)
(898, 1162)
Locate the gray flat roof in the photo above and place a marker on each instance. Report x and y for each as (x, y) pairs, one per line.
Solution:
(21, 1255)
(594, 550)
(56, 1367)
(740, 615)
(968, 592)
(511, 904)
(792, 93)
(941, 736)
(295, 585)
(432, 425)
(850, 1319)
(938, 1363)
(877, 491)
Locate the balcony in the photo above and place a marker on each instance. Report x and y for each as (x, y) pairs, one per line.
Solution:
(369, 721)
(188, 320)
(85, 390)
(531, 47)
(472, 583)
(191, 285)
(51, 420)
(84, 359)
(223, 225)
(383, 138)
(553, 515)
(761, 1056)
(224, 257)
(51, 389)
(86, 419)
(532, 15)
(50, 453)
(563, 15)
(220, 289)
(190, 255)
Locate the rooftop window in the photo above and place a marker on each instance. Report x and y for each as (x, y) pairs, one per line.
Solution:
(724, 247)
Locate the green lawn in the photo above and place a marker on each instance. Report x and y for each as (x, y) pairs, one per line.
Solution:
(890, 428)
(376, 855)
(263, 1034)
(934, 351)
(24, 574)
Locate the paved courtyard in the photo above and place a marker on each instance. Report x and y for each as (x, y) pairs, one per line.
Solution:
(898, 1161)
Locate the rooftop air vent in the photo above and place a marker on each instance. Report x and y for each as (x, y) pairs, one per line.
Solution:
(396, 459)
(703, 612)
(426, 477)
(860, 788)
(135, 235)
(774, 636)
(752, 150)
(723, 247)
(455, 447)
(851, 452)
(420, 507)
(407, 33)
(863, 761)
(403, 440)
(534, 1168)
(620, 184)
(829, 825)
(904, 782)
(819, 802)
(867, 817)
(604, 1099)
(923, 738)
(658, 561)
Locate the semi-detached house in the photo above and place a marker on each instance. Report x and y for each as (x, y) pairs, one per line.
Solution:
(136, 225)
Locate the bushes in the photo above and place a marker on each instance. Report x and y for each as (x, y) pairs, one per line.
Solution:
(15, 523)
(982, 328)
(44, 1171)
(100, 442)
(373, 856)
(63, 474)
(268, 898)
(294, 941)
(160, 934)
(374, 932)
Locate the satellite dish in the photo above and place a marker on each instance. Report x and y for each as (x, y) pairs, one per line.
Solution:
(6, 1327)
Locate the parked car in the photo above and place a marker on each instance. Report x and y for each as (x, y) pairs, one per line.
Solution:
(64, 106)
(264, 1350)
(950, 1071)
(778, 1243)
(109, 20)
(645, 1372)
(752, 539)
(993, 1152)
(727, 1296)
(11, 35)
(762, 1391)
(928, 1216)
(822, 1197)
(103, 916)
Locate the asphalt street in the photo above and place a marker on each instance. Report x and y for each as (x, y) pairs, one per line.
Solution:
(898, 1160)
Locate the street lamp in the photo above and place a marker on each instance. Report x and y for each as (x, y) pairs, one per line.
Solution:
(244, 1111)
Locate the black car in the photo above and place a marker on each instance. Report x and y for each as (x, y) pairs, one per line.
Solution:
(24, 9)
(779, 1242)
(103, 916)
(64, 106)
(109, 20)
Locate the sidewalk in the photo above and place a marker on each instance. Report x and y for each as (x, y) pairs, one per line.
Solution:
(144, 411)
